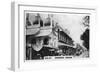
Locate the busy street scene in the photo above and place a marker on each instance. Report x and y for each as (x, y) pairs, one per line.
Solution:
(56, 36)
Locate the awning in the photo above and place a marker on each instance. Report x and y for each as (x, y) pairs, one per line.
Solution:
(63, 44)
(32, 31)
(44, 32)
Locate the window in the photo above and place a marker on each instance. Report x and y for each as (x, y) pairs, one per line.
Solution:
(47, 22)
(36, 20)
(41, 23)
(46, 41)
(27, 20)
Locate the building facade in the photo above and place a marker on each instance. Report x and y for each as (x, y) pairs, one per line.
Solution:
(45, 37)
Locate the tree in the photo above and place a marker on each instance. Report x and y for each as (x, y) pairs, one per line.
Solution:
(85, 38)
(86, 21)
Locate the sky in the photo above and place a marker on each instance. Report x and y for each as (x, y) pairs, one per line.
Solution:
(71, 22)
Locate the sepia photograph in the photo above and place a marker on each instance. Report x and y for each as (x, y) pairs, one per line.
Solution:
(51, 35)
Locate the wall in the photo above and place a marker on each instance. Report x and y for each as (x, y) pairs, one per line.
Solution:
(5, 38)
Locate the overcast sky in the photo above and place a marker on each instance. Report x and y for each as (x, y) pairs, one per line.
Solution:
(71, 22)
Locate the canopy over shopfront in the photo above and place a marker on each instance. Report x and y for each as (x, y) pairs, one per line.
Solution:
(32, 31)
(44, 32)
(62, 44)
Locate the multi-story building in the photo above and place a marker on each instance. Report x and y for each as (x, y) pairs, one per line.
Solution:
(46, 33)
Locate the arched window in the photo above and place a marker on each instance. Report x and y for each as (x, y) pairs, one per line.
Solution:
(47, 21)
(36, 20)
(27, 20)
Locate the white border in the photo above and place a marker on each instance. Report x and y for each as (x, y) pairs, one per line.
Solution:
(17, 61)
